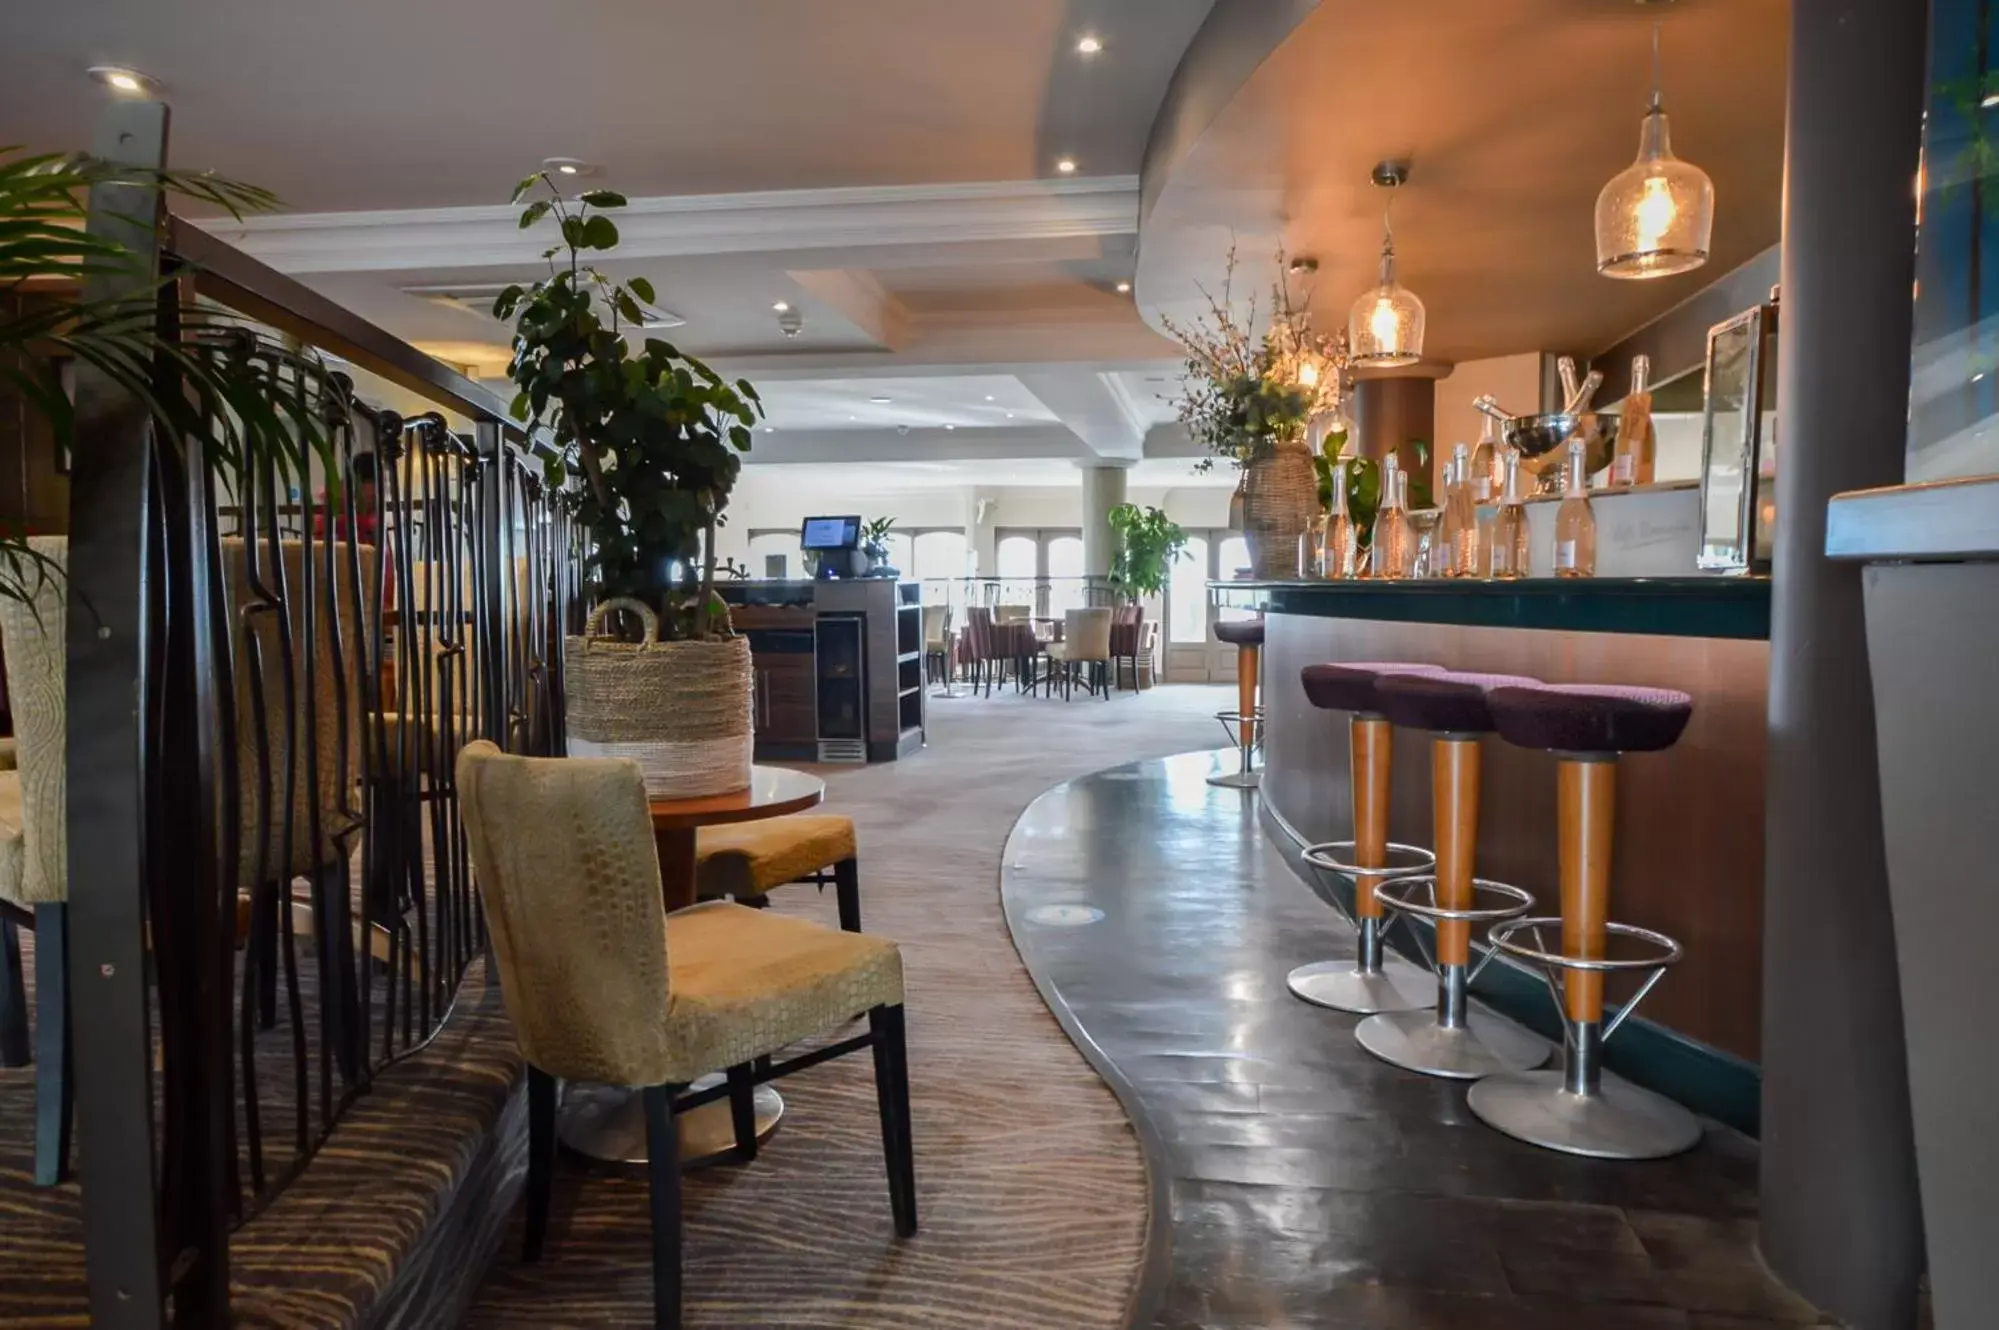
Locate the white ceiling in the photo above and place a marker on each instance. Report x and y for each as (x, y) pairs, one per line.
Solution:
(401, 104)
(1152, 474)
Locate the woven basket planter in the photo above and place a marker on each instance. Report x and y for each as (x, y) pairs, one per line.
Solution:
(1280, 497)
(681, 709)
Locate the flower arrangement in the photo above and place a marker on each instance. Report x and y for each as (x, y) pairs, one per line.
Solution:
(1247, 390)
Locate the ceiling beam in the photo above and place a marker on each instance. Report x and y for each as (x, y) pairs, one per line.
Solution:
(676, 226)
(914, 445)
(858, 296)
(1093, 406)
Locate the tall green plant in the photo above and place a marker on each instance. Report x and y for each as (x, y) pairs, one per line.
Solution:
(655, 434)
(207, 375)
(1148, 543)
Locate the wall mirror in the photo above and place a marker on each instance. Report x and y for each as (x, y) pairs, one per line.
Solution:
(1738, 445)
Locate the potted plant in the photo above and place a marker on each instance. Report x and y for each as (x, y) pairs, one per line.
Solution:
(1148, 543)
(647, 447)
(874, 544)
(1249, 398)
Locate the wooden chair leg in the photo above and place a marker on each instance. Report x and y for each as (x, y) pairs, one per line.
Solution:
(663, 1173)
(54, 1082)
(14, 1050)
(541, 1159)
(847, 892)
(892, 1094)
(743, 1112)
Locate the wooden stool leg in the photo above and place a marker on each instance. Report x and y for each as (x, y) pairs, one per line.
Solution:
(1454, 786)
(1372, 745)
(1247, 660)
(1585, 804)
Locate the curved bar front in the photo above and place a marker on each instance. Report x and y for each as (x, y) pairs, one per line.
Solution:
(1689, 821)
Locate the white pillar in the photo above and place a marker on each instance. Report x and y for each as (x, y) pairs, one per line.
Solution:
(1103, 490)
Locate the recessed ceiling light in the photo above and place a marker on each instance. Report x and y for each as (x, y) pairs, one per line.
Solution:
(782, 306)
(119, 78)
(1090, 45)
(1009, 415)
(853, 417)
(1067, 166)
(1991, 100)
(950, 427)
(881, 401)
(1124, 288)
(989, 397)
(570, 166)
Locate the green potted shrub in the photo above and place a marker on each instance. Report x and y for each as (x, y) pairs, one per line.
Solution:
(1148, 543)
(647, 447)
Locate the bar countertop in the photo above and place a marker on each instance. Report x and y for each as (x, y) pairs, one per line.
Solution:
(1709, 606)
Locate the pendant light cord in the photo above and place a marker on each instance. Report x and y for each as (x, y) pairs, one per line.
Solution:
(1658, 97)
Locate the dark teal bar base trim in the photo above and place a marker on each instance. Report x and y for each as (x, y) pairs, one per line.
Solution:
(1736, 607)
(1707, 1080)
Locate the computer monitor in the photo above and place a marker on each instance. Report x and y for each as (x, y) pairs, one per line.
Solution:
(830, 533)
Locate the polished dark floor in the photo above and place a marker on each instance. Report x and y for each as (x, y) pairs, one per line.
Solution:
(1298, 1182)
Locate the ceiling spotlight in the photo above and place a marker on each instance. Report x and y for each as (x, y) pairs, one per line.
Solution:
(118, 78)
(1009, 415)
(1090, 45)
(781, 306)
(989, 397)
(1067, 166)
(881, 401)
(950, 427)
(570, 166)
(789, 321)
(1124, 288)
(1991, 100)
(1303, 265)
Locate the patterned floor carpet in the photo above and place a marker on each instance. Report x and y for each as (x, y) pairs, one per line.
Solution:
(1030, 1181)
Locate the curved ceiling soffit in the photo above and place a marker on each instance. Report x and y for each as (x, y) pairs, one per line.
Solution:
(1494, 230)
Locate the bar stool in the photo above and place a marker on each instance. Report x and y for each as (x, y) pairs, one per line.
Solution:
(1451, 1042)
(1577, 1109)
(1246, 635)
(1372, 981)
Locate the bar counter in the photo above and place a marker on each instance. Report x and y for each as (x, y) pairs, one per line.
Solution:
(1689, 821)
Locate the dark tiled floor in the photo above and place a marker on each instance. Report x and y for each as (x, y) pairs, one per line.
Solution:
(1306, 1184)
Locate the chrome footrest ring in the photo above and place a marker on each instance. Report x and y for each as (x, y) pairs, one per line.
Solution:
(1335, 856)
(1398, 893)
(1669, 951)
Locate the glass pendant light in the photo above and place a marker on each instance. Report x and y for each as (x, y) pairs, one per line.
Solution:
(1385, 327)
(1656, 216)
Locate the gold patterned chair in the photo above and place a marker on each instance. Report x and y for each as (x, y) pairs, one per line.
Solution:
(34, 858)
(603, 985)
(745, 861)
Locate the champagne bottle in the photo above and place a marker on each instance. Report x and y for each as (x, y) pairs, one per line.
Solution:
(1575, 524)
(1394, 540)
(1488, 472)
(1342, 537)
(1512, 556)
(1637, 445)
(1457, 529)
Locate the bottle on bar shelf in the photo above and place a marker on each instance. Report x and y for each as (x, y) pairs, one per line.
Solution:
(1511, 555)
(1637, 445)
(1575, 524)
(1488, 467)
(1457, 530)
(1394, 538)
(1342, 537)
(1312, 549)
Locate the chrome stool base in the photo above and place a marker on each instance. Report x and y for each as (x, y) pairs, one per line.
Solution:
(1344, 986)
(1248, 778)
(1617, 1120)
(1483, 1046)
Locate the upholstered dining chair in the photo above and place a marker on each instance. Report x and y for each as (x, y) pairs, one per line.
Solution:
(1127, 633)
(603, 985)
(34, 854)
(1086, 641)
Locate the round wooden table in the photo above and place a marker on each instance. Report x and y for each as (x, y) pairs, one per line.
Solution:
(607, 1122)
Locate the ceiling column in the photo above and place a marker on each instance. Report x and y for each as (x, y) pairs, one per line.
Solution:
(1103, 490)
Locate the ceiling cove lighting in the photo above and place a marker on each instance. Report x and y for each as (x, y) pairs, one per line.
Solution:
(1067, 166)
(122, 79)
(1089, 45)
(1656, 216)
(1385, 326)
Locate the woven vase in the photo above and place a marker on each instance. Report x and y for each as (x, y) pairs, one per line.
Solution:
(1280, 497)
(682, 710)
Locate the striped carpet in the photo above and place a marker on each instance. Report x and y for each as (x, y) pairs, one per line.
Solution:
(1029, 1179)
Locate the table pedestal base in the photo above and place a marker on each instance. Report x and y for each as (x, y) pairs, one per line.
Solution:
(606, 1123)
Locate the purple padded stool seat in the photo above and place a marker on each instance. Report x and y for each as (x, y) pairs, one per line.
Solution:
(1240, 632)
(1590, 718)
(1348, 685)
(1445, 702)
(1579, 1109)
